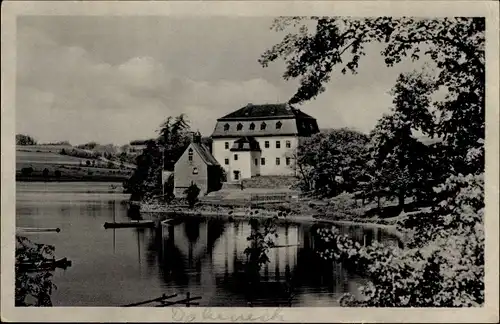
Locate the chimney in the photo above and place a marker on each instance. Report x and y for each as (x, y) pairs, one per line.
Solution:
(196, 136)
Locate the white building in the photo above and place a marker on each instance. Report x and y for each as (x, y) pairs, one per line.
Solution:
(260, 140)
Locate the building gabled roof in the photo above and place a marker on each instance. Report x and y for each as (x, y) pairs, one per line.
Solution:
(245, 143)
(265, 111)
(205, 154)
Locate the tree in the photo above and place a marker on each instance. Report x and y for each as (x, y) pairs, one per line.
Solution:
(217, 176)
(22, 139)
(88, 146)
(332, 162)
(57, 173)
(168, 188)
(27, 171)
(146, 178)
(87, 163)
(400, 163)
(45, 173)
(443, 264)
(173, 138)
(163, 152)
(192, 193)
(456, 45)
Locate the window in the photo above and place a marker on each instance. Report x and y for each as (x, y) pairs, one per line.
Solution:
(262, 161)
(266, 144)
(239, 127)
(190, 154)
(262, 126)
(288, 144)
(278, 144)
(278, 125)
(195, 170)
(236, 157)
(252, 126)
(226, 145)
(287, 161)
(226, 127)
(226, 161)
(256, 161)
(277, 161)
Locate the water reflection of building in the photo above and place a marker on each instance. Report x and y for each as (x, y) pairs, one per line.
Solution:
(209, 255)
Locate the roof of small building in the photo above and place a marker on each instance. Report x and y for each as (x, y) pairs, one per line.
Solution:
(204, 153)
(245, 143)
(251, 111)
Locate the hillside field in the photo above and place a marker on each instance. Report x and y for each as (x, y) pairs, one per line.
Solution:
(69, 168)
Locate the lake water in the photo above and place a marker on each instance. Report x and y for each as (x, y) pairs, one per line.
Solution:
(205, 257)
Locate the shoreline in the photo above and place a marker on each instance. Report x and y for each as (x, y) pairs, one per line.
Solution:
(241, 214)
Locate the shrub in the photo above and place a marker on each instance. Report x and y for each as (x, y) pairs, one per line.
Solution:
(32, 289)
(27, 171)
(192, 193)
(443, 263)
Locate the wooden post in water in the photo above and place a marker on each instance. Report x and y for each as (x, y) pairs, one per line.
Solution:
(188, 295)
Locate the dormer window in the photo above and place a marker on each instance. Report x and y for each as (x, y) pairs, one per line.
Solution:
(278, 125)
(262, 126)
(252, 126)
(226, 127)
(239, 127)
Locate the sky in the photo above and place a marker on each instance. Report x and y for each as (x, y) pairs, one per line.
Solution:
(116, 79)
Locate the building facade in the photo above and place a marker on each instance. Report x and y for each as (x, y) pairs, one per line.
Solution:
(260, 140)
(196, 166)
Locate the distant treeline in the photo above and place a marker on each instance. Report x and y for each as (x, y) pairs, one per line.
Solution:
(22, 139)
(80, 153)
(69, 174)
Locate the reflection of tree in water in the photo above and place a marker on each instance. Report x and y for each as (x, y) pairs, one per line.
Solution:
(192, 229)
(215, 229)
(248, 272)
(172, 262)
(134, 213)
(260, 241)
